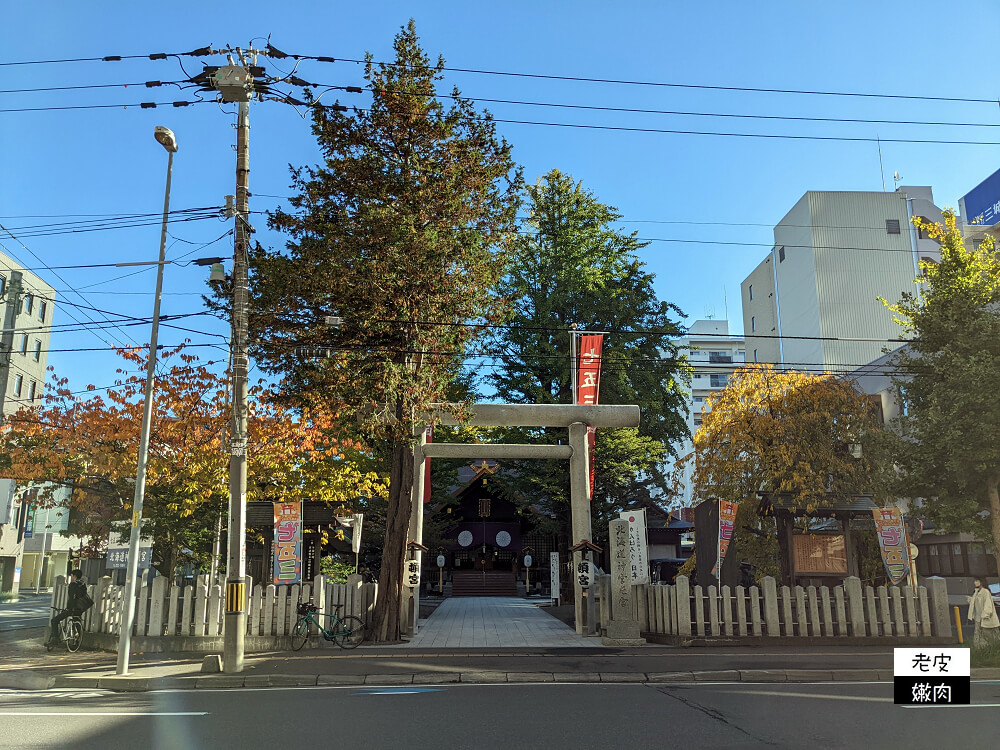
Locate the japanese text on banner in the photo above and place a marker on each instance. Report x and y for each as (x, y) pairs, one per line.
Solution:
(287, 543)
(727, 522)
(588, 386)
(892, 541)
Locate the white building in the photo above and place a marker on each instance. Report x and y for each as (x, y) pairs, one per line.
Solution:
(23, 386)
(32, 328)
(714, 355)
(814, 300)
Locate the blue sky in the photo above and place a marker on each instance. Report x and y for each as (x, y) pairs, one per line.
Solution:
(673, 187)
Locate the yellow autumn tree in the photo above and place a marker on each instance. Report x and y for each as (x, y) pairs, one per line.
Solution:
(806, 437)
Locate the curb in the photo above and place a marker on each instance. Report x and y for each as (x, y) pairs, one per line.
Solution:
(217, 682)
(26, 679)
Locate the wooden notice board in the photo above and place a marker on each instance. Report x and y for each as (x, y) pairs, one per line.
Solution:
(821, 554)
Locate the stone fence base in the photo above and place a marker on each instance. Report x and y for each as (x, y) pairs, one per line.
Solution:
(193, 644)
(758, 642)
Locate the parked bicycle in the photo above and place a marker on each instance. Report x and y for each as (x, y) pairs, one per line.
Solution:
(70, 632)
(346, 632)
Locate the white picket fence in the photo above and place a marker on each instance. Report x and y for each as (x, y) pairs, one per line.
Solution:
(199, 609)
(769, 610)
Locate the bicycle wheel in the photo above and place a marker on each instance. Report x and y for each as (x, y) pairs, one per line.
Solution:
(74, 634)
(350, 633)
(302, 633)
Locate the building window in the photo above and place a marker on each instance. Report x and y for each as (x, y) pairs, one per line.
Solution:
(24, 343)
(781, 254)
(3, 284)
(720, 357)
(43, 306)
(755, 356)
(38, 351)
(697, 421)
(718, 381)
(31, 390)
(753, 323)
(699, 399)
(18, 380)
(892, 226)
(750, 289)
(29, 303)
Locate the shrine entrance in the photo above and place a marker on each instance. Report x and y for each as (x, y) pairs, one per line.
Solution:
(576, 418)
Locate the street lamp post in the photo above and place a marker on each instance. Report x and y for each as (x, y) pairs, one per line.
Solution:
(166, 139)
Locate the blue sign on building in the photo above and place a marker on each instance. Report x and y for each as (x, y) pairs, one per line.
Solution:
(982, 203)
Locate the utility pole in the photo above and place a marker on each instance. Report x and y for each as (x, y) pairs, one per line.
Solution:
(7, 337)
(235, 83)
(236, 617)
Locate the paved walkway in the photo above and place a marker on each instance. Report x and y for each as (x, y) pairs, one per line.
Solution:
(495, 621)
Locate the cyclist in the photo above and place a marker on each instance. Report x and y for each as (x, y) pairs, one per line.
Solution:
(74, 605)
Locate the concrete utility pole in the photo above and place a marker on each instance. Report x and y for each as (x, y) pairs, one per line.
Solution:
(7, 338)
(236, 568)
(235, 83)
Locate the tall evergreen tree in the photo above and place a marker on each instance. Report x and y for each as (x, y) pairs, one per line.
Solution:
(571, 266)
(397, 231)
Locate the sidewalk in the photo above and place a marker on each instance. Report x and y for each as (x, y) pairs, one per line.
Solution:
(387, 665)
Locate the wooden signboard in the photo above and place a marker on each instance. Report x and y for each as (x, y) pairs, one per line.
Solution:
(820, 554)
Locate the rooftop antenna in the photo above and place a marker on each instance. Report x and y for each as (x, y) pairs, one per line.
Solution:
(881, 169)
(896, 180)
(709, 312)
(725, 301)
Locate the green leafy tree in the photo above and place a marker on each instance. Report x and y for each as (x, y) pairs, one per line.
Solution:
(399, 230)
(950, 446)
(571, 266)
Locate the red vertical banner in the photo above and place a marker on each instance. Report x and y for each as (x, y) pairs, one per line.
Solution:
(427, 467)
(588, 384)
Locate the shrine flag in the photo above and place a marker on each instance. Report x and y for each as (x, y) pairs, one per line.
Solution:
(727, 522)
(892, 541)
(588, 385)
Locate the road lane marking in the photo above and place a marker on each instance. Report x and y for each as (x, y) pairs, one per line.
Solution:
(824, 696)
(103, 713)
(398, 691)
(958, 705)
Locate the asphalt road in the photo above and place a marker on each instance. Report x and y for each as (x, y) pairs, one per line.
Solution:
(30, 611)
(841, 715)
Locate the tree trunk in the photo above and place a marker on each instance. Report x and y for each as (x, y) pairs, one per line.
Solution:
(388, 608)
(993, 496)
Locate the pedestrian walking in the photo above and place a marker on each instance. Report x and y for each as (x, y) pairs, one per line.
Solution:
(983, 613)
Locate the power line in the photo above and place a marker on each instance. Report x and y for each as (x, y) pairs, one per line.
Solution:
(201, 52)
(53, 271)
(140, 105)
(681, 113)
(657, 84)
(779, 136)
(147, 84)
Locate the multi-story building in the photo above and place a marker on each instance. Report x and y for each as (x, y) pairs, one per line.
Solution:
(29, 353)
(814, 300)
(23, 384)
(714, 355)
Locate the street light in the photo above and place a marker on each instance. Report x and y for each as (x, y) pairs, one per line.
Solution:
(166, 139)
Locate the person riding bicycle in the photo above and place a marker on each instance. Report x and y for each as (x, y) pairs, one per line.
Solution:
(74, 605)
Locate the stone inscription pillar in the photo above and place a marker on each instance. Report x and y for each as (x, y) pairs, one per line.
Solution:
(623, 630)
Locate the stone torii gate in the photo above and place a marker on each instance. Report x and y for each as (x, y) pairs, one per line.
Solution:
(575, 418)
